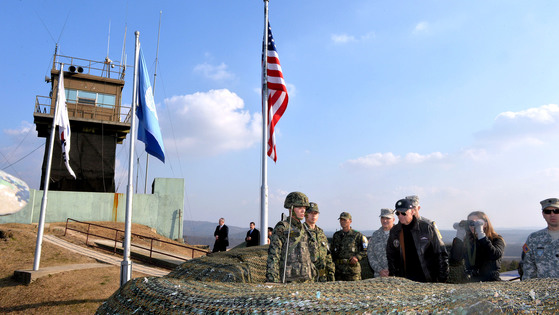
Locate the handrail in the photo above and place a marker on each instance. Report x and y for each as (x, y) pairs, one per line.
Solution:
(151, 250)
(104, 113)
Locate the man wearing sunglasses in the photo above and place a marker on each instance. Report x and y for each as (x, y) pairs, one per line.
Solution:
(540, 253)
(414, 250)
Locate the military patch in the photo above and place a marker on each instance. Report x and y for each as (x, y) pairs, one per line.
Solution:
(396, 243)
(525, 248)
(539, 251)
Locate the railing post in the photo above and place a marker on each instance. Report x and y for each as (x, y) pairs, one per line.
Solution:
(116, 238)
(87, 235)
(66, 229)
(150, 248)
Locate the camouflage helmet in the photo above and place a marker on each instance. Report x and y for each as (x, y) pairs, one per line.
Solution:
(296, 199)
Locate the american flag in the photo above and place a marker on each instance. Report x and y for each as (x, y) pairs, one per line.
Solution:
(277, 92)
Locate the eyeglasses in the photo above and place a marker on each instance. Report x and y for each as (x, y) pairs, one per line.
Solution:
(548, 211)
(400, 212)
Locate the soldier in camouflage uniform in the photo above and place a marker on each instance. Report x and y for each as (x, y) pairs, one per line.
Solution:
(540, 257)
(289, 237)
(376, 251)
(349, 247)
(318, 246)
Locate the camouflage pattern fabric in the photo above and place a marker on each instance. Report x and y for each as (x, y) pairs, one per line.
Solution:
(299, 266)
(376, 251)
(320, 254)
(345, 246)
(215, 285)
(540, 256)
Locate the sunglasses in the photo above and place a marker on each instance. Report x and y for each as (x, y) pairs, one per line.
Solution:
(400, 213)
(548, 211)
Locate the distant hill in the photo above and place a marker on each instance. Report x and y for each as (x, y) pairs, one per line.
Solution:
(201, 233)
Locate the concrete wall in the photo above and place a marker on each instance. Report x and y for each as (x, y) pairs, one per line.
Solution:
(161, 210)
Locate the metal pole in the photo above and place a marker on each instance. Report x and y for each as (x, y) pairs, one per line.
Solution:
(287, 245)
(126, 264)
(41, 227)
(153, 91)
(264, 187)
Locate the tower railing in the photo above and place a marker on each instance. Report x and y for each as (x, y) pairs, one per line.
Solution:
(102, 113)
(106, 69)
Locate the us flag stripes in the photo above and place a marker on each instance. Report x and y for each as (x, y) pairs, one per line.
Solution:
(277, 93)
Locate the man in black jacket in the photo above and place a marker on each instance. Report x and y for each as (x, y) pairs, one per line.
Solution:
(253, 236)
(414, 250)
(221, 237)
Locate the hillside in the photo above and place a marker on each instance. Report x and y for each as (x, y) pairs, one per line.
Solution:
(74, 292)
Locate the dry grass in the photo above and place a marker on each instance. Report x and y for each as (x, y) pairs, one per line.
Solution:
(74, 292)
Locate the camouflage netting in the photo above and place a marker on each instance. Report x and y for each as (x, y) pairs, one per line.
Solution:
(247, 265)
(232, 282)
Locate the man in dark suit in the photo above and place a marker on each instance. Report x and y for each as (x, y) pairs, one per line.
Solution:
(221, 237)
(253, 236)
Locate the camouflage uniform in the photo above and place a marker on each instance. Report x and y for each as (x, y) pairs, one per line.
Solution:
(320, 254)
(376, 251)
(299, 266)
(540, 256)
(346, 245)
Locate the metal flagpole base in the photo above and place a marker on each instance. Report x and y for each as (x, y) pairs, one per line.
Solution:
(125, 272)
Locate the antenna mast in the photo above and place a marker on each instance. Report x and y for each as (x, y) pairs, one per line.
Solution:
(153, 91)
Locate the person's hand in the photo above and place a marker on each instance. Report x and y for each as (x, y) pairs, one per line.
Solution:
(353, 260)
(216, 237)
(384, 273)
(248, 238)
(460, 231)
(478, 226)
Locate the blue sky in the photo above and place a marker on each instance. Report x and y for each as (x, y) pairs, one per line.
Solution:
(454, 102)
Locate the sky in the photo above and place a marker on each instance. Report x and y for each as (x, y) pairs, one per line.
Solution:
(455, 102)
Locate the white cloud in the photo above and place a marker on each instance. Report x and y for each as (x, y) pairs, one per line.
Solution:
(342, 38)
(346, 38)
(527, 128)
(374, 160)
(420, 27)
(416, 158)
(387, 159)
(24, 128)
(217, 73)
(213, 122)
(546, 114)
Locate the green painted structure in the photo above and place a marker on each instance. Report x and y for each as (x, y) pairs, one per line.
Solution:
(161, 210)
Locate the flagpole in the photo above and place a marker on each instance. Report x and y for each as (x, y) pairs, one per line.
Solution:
(264, 188)
(153, 91)
(126, 264)
(41, 227)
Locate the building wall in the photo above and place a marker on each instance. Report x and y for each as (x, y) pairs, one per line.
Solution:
(161, 210)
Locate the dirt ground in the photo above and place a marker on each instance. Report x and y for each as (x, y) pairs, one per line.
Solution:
(74, 292)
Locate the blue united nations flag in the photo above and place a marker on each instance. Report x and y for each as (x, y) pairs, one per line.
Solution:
(148, 123)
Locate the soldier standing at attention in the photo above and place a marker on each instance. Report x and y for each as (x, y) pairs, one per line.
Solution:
(289, 259)
(540, 257)
(376, 251)
(349, 247)
(318, 246)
